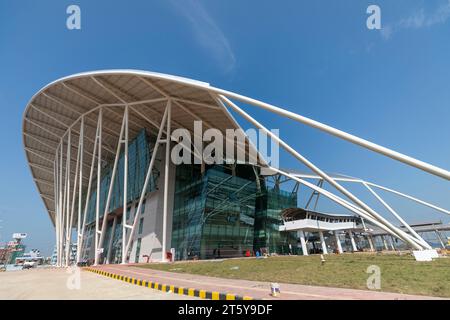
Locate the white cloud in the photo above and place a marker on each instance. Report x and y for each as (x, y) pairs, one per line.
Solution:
(416, 20)
(419, 19)
(207, 33)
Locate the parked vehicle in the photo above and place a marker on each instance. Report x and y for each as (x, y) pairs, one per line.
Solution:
(29, 265)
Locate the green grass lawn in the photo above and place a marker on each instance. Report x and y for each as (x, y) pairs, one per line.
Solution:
(398, 273)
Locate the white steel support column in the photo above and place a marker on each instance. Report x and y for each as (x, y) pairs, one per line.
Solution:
(323, 243)
(401, 234)
(63, 210)
(403, 195)
(99, 178)
(67, 196)
(370, 240)
(88, 193)
(111, 184)
(60, 181)
(56, 177)
(72, 209)
(166, 179)
(385, 243)
(395, 214)
(147, 180)
(340, 134)
(358, 211)
(352, 240)
(338, 242)
(80, 189)
(125, 195)
(111, 239)
(391, 242)
(63, 206)
(374, 241)
(438, 235)
(55, 186)
(301, 235)
(424, 203)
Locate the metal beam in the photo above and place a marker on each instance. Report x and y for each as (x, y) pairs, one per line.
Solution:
(88, 193)
(166, 180)
(82, 93)
(144, 187)
(342, 135)
(399, 233)
(80, 189)
(35, 152)
(357, 180)
(99, 178)
(396, 215)
(42, 127)
(111, 184)
(125, 192)
(427, 204)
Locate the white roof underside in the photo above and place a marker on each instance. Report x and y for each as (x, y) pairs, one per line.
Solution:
(60, 105)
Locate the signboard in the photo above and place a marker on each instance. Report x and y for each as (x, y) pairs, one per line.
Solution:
(19, 235)
(425, 255)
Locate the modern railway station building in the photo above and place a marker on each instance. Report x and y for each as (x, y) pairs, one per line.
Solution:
(100, 145)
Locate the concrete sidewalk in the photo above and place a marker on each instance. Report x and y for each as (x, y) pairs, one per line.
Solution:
(253, 289)
(52, 284)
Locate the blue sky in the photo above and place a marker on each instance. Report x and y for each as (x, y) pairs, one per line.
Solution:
(316, 58)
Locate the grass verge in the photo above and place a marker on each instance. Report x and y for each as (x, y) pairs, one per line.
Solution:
(399, 273)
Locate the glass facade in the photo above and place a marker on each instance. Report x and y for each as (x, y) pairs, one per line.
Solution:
(138, 160)
(139, 154)
(116, 247)
(138, 249)
(224, 212)
(269, 207)
(141, 225)
(221, 214)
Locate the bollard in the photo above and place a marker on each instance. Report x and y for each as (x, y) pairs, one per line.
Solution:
(275, 289)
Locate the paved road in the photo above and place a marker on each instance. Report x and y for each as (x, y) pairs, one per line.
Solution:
(255, 289)
(48, 284)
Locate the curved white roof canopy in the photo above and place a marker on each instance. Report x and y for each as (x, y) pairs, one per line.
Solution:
(59, 106)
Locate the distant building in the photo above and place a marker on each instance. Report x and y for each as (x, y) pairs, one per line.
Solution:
(54, 257)
(11, 251)
(33, 256)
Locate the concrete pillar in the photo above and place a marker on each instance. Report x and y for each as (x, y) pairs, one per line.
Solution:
(385, 243)
(338, 242)
(301, 235)
(391, 242)
(322, 242)
(370, 240)
(352, 239)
